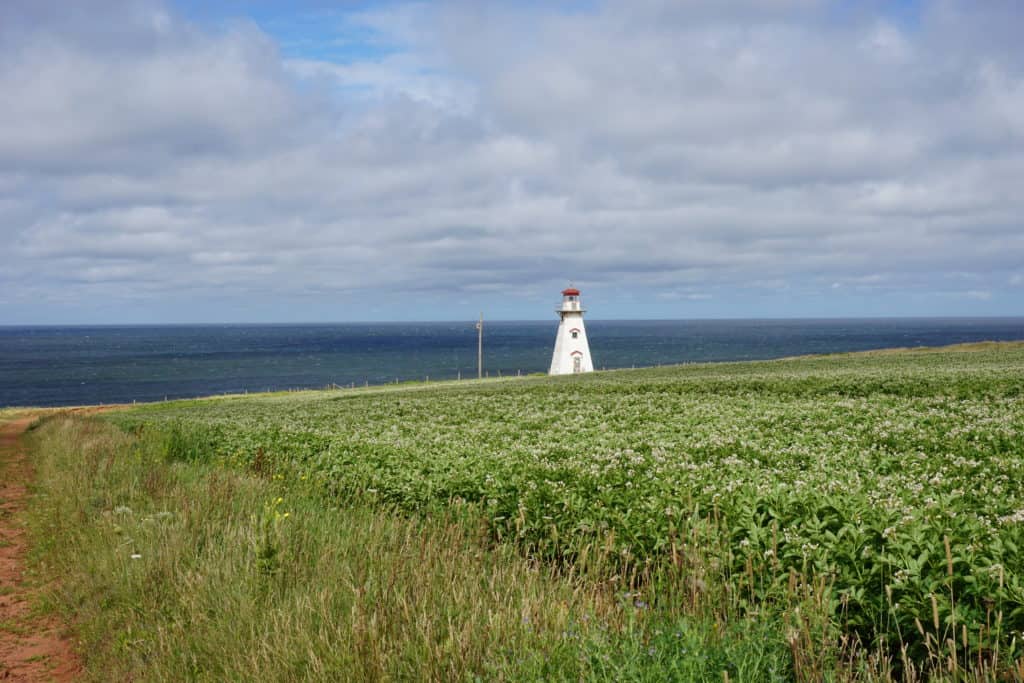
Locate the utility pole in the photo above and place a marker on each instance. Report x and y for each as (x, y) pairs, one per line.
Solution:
(480, 347)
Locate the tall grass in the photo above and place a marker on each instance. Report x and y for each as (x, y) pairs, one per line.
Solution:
(175, 569)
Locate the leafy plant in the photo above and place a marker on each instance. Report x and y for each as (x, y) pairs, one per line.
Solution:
(893, 478)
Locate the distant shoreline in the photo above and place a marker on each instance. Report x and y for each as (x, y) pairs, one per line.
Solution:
(966, 347)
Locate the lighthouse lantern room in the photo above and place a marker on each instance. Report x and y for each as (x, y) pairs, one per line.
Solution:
(572, 353)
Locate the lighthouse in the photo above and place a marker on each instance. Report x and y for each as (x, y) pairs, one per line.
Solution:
(572, 353)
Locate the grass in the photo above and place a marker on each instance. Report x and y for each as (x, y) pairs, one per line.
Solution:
(172, 569)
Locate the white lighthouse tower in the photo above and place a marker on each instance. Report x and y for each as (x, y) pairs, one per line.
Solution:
(572, 353)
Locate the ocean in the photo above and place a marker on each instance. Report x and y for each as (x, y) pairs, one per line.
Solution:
(56, 366)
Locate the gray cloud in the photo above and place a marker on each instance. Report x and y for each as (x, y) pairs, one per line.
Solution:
(689, 150)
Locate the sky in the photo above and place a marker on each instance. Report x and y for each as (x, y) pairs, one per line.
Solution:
(202, 161)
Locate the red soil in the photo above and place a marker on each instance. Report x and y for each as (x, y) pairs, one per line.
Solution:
(32, 648)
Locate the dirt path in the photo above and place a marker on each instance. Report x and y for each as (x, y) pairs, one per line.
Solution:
(32, 648)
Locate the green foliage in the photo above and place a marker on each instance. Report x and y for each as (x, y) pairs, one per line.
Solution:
(896, 478)
(185, 570)
(183, 442)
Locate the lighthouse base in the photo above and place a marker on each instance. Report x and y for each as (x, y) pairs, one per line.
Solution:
(572, 351)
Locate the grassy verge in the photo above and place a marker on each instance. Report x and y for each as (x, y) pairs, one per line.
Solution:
(174, 570)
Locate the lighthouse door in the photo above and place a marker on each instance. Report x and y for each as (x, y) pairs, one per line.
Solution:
(576, 363)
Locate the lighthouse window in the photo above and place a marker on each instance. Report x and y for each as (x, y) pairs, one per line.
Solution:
(575, 334)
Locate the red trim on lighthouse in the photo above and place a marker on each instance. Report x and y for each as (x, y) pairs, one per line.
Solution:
(571, 291)
(576, 353)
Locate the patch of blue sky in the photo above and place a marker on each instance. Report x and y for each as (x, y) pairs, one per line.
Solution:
(905, 14)
(312, 30)
(564, 7)
(328, 39)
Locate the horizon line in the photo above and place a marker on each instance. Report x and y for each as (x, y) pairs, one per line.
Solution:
(508, 320)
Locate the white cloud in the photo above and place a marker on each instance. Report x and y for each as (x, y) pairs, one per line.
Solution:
(683, 148)
(887, 43)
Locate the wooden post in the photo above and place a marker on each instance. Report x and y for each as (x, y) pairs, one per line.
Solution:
(480, 347)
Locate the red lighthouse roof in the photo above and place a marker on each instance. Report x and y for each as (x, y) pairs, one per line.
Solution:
(572, 291)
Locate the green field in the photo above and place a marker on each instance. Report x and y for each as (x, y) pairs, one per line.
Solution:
(880, 493)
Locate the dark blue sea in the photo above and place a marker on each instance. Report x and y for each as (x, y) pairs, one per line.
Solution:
(53, 366)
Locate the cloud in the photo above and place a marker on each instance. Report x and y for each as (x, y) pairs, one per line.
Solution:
(70, 109)
(672, 148)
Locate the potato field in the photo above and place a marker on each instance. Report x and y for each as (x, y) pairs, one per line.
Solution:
(893, 481)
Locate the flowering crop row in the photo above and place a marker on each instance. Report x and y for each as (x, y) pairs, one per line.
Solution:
(898, 477)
